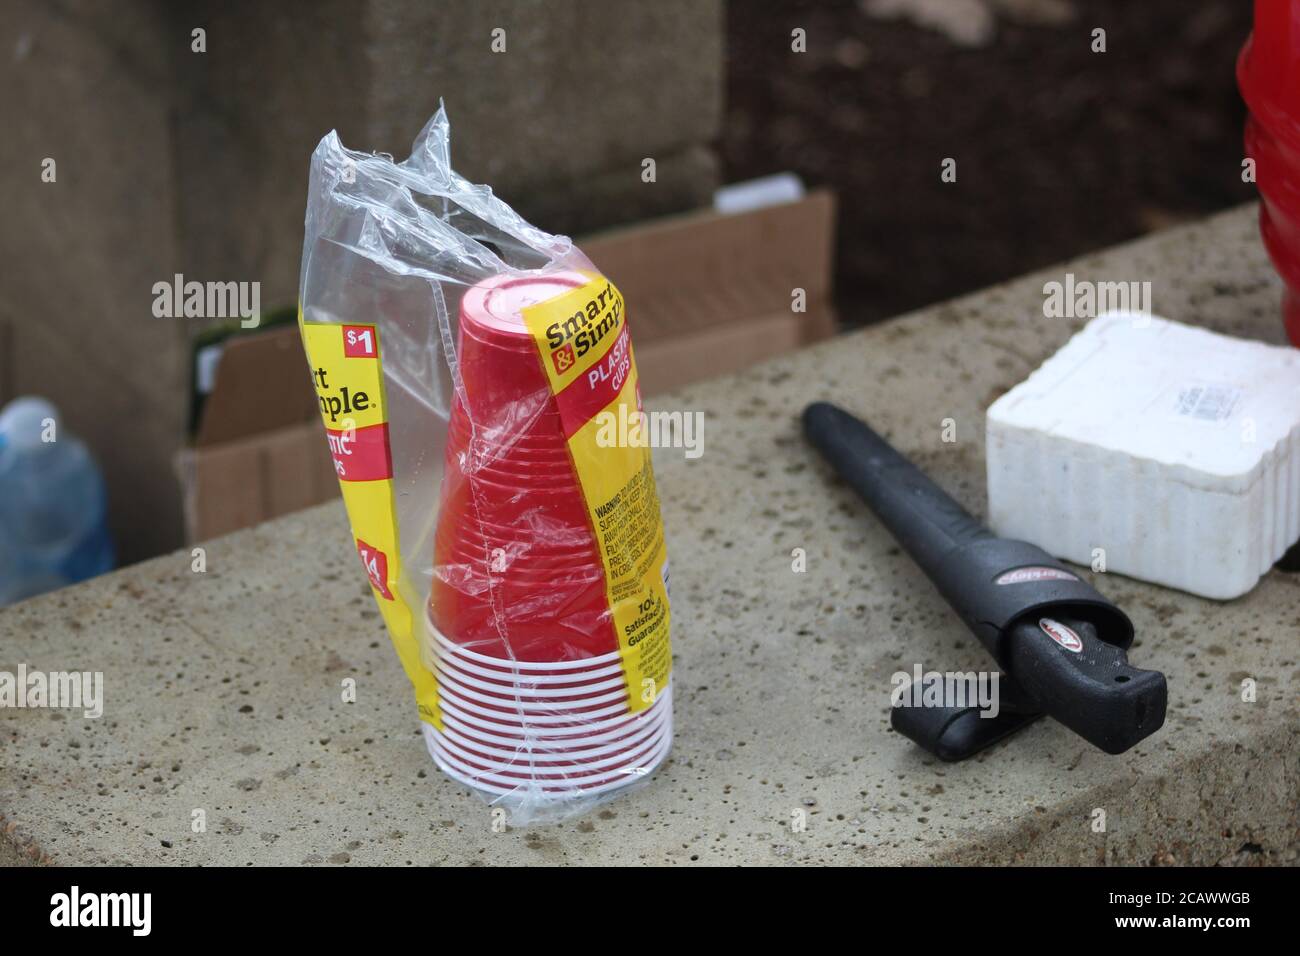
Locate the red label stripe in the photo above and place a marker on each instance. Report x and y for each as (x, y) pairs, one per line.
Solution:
(361, 454)
(595, 388)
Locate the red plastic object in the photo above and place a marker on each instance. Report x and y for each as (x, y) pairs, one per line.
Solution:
(517, 572)
(1268, 73)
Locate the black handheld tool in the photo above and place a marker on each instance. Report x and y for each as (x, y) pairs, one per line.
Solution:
(1059, 642)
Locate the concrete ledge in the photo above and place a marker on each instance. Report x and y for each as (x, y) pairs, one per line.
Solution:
(222, 689)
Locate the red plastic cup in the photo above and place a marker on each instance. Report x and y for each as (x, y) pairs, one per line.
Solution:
(518, 568)
(539, 762)
(558, 498)
(542, 684)
(543, 445)
(1268, 74)
(539, 702)
(597, 757)
(559, 735)
(541, 546)
(523, 769)
(551, 783)
(575, 739)
(517, 574)
(516, 462)
(562, 727)
(538, 532)
(529, 690)
(513, 468)
(502, 749)
(560, 739)
(519, 561)
(586, 666)
(606, 755)
(515, 477)
(528, 618)
(576, 746)
(533, 424)
(505, 385)
(514, 713)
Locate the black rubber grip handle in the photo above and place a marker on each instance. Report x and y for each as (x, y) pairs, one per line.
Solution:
(921, 515)
(1087, 684)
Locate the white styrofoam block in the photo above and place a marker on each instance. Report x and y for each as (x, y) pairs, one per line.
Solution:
(1174, 449)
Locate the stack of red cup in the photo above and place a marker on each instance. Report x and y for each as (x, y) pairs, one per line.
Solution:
(1268, 73)
(531, 682)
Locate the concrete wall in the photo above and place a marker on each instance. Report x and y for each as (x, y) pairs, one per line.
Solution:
(558, 124)
(175, 161)
(87, 85)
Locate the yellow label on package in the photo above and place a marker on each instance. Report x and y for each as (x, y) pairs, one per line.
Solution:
(586, 350)
(348, 375)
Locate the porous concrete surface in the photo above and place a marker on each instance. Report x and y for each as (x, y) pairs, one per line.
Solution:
(223, 688)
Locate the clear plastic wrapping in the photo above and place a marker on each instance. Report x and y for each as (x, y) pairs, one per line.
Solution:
(470, 368)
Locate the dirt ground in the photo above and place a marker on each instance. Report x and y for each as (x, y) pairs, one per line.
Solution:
(1058, 149)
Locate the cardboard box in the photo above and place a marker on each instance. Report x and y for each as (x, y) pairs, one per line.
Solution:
(707, 294)
(260, 449)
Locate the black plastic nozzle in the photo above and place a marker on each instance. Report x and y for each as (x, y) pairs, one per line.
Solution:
(1060, 643)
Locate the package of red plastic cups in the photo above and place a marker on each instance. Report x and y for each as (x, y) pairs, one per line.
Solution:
(529, 665)
(467, 382)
